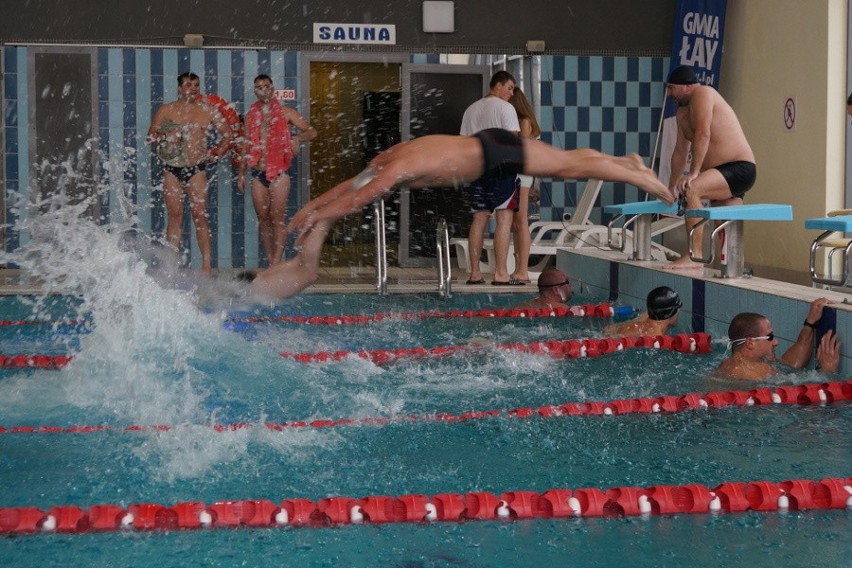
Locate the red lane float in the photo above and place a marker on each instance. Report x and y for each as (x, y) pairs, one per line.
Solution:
(729, 497)
(566, 349)
(34, 361)
(15, 323)
(603, 310)
(826, 393)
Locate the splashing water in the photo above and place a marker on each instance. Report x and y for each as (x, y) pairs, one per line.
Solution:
(139, 363)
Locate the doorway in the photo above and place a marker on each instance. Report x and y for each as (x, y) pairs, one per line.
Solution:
(361, 106)
(355, 107)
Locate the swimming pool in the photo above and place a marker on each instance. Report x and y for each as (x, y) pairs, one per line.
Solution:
(151, 357)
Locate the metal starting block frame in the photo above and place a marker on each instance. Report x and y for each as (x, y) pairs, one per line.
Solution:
(829, 226)
(732, 217)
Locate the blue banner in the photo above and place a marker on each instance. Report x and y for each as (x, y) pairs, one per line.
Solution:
(697, 42)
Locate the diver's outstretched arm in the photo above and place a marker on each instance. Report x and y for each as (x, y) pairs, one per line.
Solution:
(291, 277)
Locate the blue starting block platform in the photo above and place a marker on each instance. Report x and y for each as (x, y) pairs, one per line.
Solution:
(830, 225)
(754, 212)
(640, 215)
(732, 217)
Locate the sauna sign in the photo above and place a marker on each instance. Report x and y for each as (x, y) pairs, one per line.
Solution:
(383, 34)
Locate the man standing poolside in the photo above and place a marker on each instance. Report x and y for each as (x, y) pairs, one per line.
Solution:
(270, 149)
(722, 168)
(492, 192)
(752, 342)
(179, 135)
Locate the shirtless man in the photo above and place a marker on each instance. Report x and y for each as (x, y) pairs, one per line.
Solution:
(179, 135)
(722, 168)
(554, 290)
(439, 161)
(269, 151)
(663, 309)
(752, 342)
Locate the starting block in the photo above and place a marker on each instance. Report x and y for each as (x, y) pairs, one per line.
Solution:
(641, 214)
(732, 217)
(830, 225)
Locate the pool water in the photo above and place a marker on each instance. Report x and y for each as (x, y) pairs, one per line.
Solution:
(151, 356)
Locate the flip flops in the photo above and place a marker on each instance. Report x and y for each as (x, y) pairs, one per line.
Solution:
(511, 282)
(474, 282)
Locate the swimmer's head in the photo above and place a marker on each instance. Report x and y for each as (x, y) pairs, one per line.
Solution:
(555, 279)
(683, 75)
(663, 303)
(246, 276)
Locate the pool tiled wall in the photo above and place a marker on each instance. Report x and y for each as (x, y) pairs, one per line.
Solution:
(709, 303)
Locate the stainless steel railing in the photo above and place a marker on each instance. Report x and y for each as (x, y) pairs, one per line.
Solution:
(445, 271)
(381, 247)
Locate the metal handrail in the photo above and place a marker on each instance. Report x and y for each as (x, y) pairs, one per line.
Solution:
(381, 247)
(827, 279)
(445, 271)
(694, 255)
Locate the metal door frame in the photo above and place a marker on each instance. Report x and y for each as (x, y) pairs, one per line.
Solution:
(32, 52)
(405, 259)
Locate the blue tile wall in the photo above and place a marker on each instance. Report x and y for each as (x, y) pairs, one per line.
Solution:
(131, 84)
(611, 104)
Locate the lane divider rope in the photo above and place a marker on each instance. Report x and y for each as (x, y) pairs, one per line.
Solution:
(585, 310)
(15, 323)
(694, 498)
(567, 349)
(558, 349)
(803, 394)
(603, 310)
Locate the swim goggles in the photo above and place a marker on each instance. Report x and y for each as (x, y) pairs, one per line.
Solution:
(768, 337)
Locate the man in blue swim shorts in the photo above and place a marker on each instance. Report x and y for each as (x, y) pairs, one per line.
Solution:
(722, 168)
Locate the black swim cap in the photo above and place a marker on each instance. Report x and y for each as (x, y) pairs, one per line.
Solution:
(663, 303)
(683, 75)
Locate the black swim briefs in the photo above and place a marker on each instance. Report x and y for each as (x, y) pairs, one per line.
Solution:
(503, 152)
(739, 175)
(185, 173)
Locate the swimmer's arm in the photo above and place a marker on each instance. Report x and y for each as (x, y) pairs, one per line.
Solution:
(226, 137)
(680, 154)
(303, 218)
(154, 135)
(798, 355)
(701, 115)
(346, 198)
(306, 131)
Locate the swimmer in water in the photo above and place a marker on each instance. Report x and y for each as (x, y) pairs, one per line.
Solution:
(663, 309)
(439, 161)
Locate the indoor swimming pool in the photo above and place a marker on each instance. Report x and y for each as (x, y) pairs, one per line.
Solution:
(376, 430)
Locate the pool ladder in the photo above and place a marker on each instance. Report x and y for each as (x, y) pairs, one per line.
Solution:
(442, 245)
(445, 271)
(381, 247)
